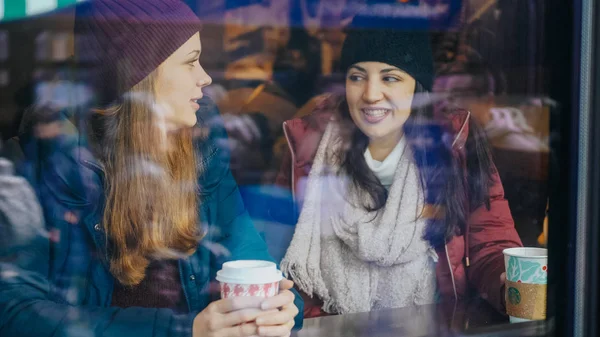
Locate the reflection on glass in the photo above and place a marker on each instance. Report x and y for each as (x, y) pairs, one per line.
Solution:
(4, 50)
(4, 77)
(43, 46)
(39, 7)
(60, 46)
(383, 152)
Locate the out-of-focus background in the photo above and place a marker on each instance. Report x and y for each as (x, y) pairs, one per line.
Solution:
(270, 61)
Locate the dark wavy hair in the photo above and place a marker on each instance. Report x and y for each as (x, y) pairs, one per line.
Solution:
(442, 172)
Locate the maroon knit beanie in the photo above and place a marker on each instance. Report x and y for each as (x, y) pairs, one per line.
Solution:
(125, 40)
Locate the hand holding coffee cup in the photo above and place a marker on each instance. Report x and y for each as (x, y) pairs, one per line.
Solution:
(281, 322)
(232, 317)
(262, 304)
(526, 283)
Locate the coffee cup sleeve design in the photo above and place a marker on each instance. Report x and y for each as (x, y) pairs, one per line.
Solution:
(526, 271)
(526, 300)
(513, 270)
(257, 290)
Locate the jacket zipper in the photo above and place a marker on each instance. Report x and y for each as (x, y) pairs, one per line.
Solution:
(293, 163)
(451, 272)
(462, 128)
(183, 282)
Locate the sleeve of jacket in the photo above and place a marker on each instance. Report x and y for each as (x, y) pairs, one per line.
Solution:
(238, 234)
(27, 308)
(490, 232)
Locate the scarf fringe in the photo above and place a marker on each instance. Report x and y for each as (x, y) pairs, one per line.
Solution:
(299, 274)
(331, 307)
(310, 281)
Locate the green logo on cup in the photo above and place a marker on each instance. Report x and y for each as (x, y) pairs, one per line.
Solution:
(514, 296)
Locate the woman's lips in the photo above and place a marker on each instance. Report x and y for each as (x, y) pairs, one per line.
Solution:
(375, 115)
(194, 104)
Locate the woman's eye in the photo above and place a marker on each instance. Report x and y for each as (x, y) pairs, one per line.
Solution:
(193, 63)
(354, 78)
(391, 79)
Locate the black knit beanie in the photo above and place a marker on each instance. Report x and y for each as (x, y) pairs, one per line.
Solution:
(407, 50)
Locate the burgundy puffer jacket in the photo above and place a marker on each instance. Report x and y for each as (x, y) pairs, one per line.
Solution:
(471, 260)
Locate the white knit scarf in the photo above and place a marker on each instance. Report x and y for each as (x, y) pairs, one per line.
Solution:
(355, 260)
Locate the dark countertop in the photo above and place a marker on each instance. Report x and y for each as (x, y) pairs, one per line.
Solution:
(473, 318)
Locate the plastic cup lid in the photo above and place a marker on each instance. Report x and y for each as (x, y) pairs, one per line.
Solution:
(249, 272)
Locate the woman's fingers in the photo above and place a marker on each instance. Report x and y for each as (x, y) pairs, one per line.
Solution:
(237, 317)
(236, 303)
(285, 284)
(284, 316)
(279, 324)
(284, 298)
(276, 331)
(242, 330)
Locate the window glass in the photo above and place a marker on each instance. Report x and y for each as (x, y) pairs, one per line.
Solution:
(165, 165)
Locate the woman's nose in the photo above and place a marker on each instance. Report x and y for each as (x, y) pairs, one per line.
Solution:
(372, 92)
(203, 79)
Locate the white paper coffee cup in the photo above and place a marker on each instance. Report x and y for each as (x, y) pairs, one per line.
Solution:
(526, 283)
(249, 278)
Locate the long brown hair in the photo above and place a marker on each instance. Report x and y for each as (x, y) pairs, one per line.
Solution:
(150, 184)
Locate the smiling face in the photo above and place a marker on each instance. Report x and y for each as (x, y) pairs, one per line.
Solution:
(379, 99)
(179, 82)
